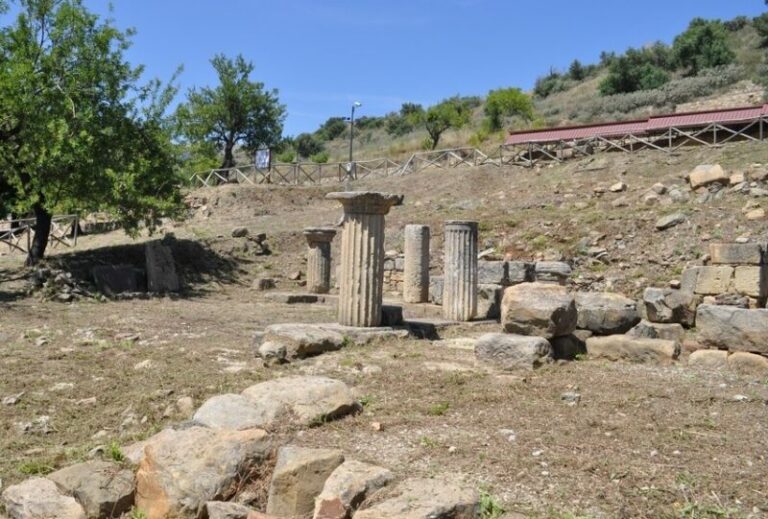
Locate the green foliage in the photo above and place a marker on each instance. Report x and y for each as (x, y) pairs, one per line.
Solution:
(635, 70)
(320, 158)
(410, 115)
(703, 45)
(286, 156)
(490, 508)
(238, 111)
(552, 83)
(450, 113)
(438, 409)
(307, 145)
(576, 71)
(36, 468)
(507, 102)
(78, 132)
(115, 453)
(760, 23)
(332, 128)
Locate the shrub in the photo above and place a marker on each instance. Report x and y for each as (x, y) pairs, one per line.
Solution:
(636, 70)
(552, 83)
(320, 158)
(307, 145)
(332, 128)
(703, 45)
(507, 102)
(286, 156)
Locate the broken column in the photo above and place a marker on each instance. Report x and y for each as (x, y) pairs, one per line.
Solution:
(362, 255)
(460, 270)
(319, 258)
(416, 271)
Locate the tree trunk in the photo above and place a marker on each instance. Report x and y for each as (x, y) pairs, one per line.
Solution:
(42, 230)
(229, 157)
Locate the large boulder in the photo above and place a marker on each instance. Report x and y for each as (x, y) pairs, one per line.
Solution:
(298, 479)
(732, 328)
(538, 309)
(604, 313)
(426, 499)
(303, 340)
(509, 351)
(303, 399)
(667, 331)
(180, 470)
(348, 486)
(624, 347)
(102, 488)
(705, 174)
(40, 498)
(666, 305)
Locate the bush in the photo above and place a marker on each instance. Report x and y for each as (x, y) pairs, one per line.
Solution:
(332, 128)
(286, 156)
(635, 70)
(320, 158)
(506, 102)
(307, 145)
(703, 45)
(737, 23)
(552, 83)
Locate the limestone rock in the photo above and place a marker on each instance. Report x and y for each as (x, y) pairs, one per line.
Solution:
(301, 398)
(713, 280)
(755, 214)
(670, 220)
(298, 479)
(39, 498)
(667, 331)
(520, 272)
(736, 253)
(751, 281)
(234, 412)
(348, 486)
(664, 305)
(709, 359)
(488, 301)
(538, 309)
(748, 363)
(568, 347)
(735, 329)
(303, 340)
(618, 187)
(623, 347)
(229, 510)
(102, 488)
(426, 499)
(552, 272)
(180, 470)
(161, 269)
(436, 289)
(605, 313)
(493, 272)
(509, 351)
(706, 174)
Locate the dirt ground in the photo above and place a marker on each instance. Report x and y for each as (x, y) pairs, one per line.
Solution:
(643, 441)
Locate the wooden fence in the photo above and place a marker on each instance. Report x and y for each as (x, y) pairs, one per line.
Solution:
(19, 234)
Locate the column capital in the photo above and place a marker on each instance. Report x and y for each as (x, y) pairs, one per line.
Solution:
(366, 202)
(319, 234)
(460, 225)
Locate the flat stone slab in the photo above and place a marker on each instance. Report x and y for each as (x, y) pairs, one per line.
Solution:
(633, 349)
(293, 298)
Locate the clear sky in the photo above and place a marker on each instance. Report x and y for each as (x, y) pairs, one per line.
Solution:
(324, 54)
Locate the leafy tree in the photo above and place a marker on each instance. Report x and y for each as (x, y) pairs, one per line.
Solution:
(450, 113)
(332, 128)
(507, 102)
(77, 130)
(238, 111)
(412, 111)
(760, 23)
(307, 145)
(576, 70)
(550, 84)
(410, 115)
(703, 45)
(633, 71)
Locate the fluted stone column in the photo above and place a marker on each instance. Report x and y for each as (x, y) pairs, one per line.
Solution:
(416, 272)
(319, 258)
(362, 255)
(460, 271)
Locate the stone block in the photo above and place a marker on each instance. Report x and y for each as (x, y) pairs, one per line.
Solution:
(568, 347)
(102, 488)
(436, 289)
(520, 272)
(606, 313)
(624, 347)
(493, 272)
(709, 359)
(161, 269)
(665, 305)
(713, 280)
(666, 331)
(732, 328)
(116, 279)
(748, 363)
(705, 174)
(751, 281)
(552, 272)
(509, 351)
(538, 309)
(489, 301)
(347, 487)
(736, 253)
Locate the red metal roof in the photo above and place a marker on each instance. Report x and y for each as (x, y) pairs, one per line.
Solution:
(638, 127)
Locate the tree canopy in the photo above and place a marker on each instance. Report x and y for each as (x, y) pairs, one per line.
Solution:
(703, 45)
(77, 130)
(238, 111)
(450, 113)
(507, 102)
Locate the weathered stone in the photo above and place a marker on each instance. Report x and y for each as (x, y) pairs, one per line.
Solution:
(748, 363)
(520, 272)
(231, 411)
(509, 351)
(161, 269)
(348, 486)
(667, 331)
(227, 510)
(298, 479)
(436, 290)
(624, 347)
(709, 359)
(460, 270)
(605, 313)
(568, 347)
(116, 279)
(732, 328)
(301, 398)
(618, 187)
(713, 280)
(755, 214)
(39, 498)
(689, 278)
(706, 174)
(670, 220)
(538, 309)
(239, 232)
(292, 298)
(664, 305)
(426, 499)
(180, 470)
(391, 315)
(303, 340)
(736, 253)
(751, 281)
(319, 258)
(489, 301)
(362, 255)
(416, 265)
(264, 284)
(552, 272)
(103, 489)
(493, 272)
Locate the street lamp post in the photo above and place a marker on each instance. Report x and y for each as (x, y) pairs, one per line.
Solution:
(356, 104)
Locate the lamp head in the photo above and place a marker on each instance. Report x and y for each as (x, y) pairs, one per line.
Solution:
(357, 104)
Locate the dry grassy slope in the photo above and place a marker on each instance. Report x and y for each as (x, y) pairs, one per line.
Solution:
(523, 213)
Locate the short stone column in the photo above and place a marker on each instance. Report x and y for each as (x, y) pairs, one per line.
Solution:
(416, 271)
(319, 258)
(460, 271)
(362, 255)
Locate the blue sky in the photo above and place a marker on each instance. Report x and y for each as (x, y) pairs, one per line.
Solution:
(324, 54)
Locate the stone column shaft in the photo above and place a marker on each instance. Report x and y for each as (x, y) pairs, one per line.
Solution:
(416, 271)
(319, 258)
(362, 256)
(460, 271)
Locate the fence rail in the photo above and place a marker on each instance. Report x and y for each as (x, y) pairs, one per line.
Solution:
(19, 234)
